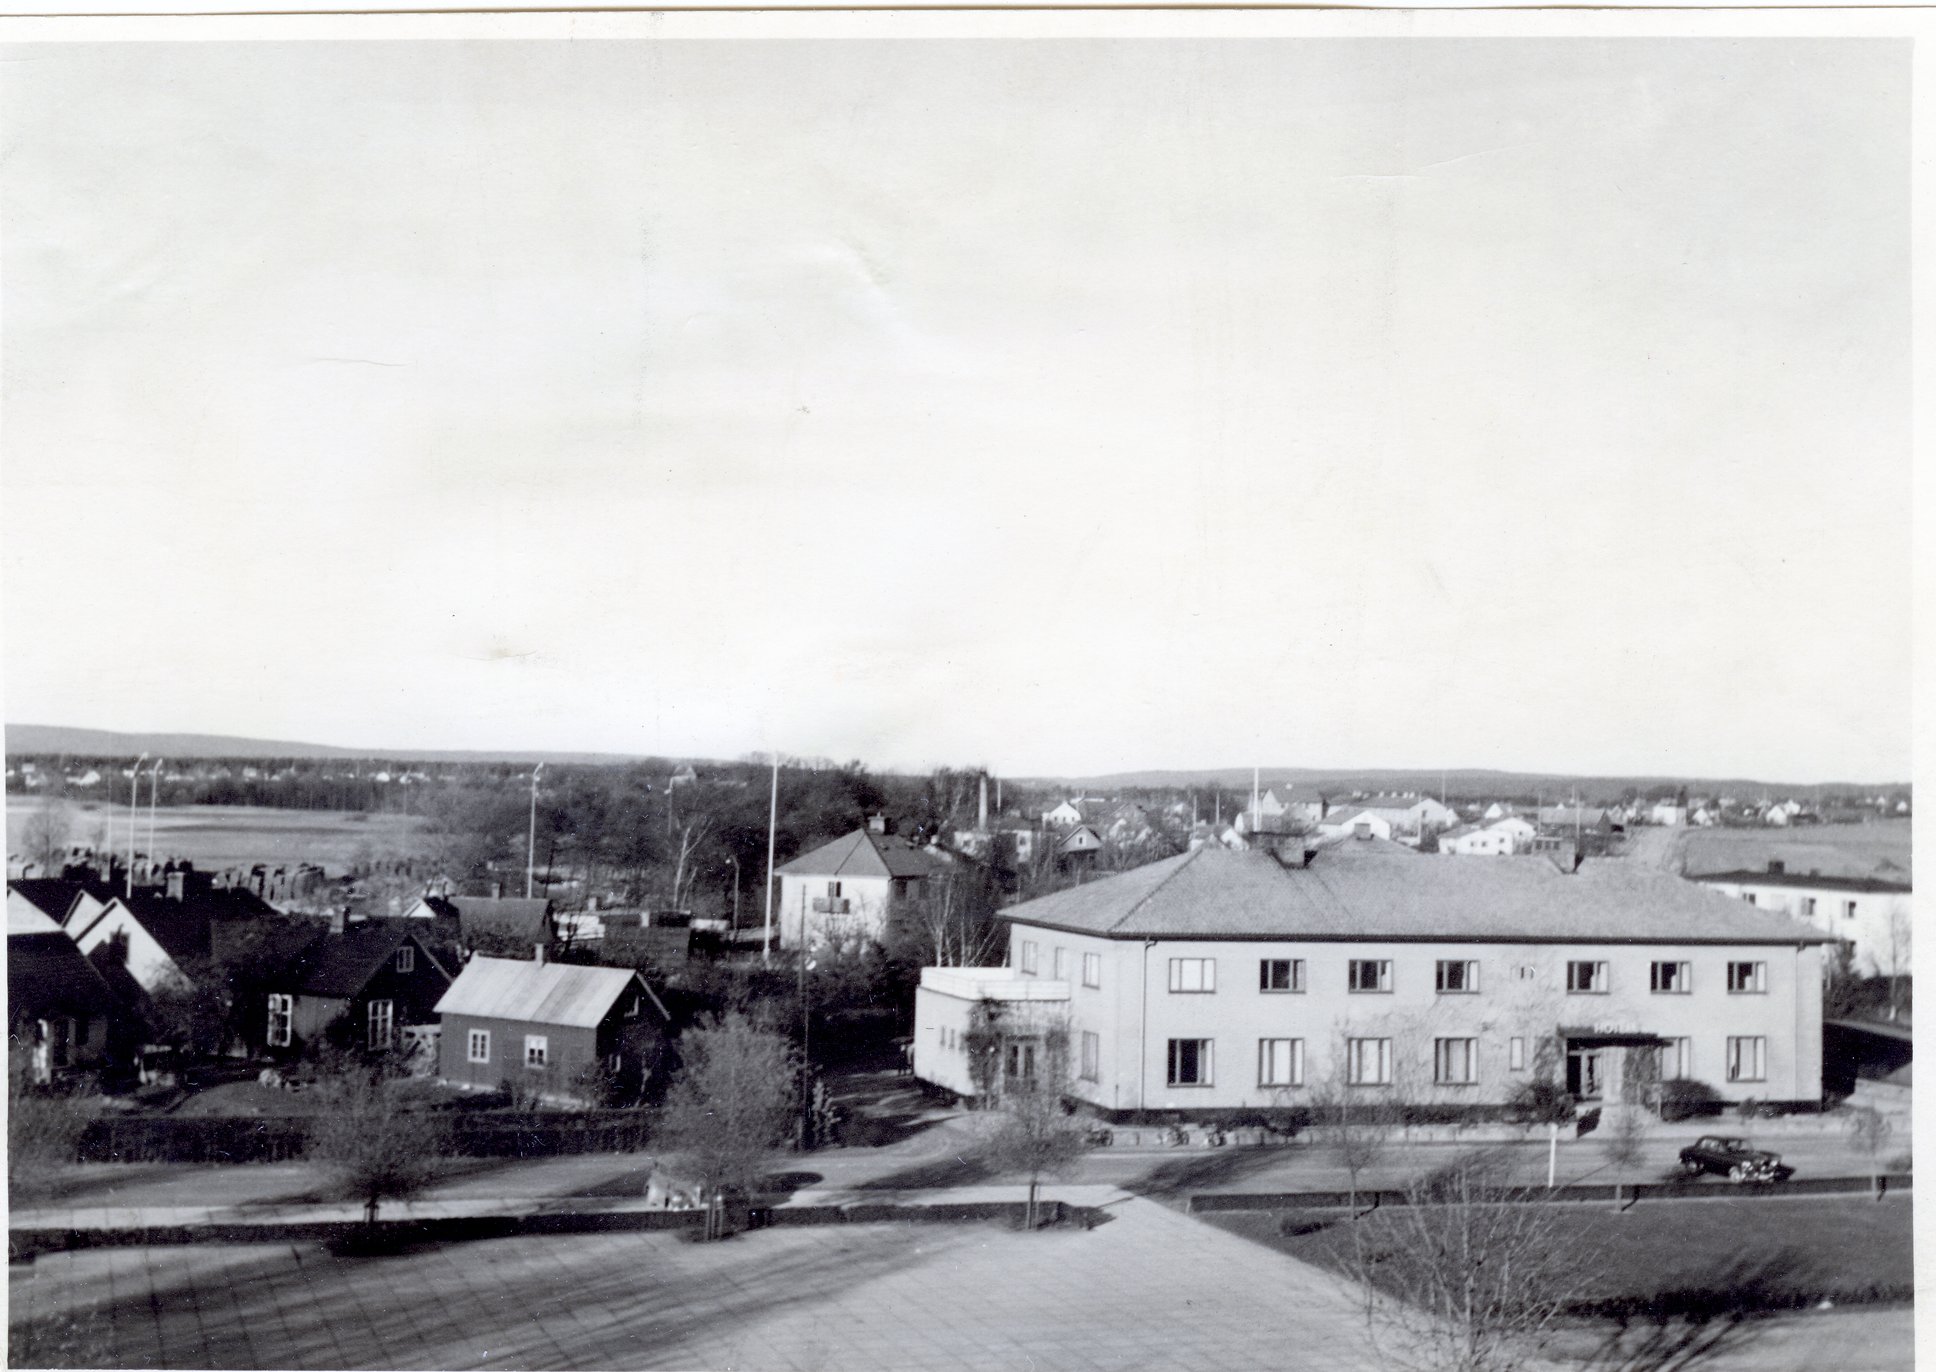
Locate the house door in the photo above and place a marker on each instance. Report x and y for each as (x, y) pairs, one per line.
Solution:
(1583, 1077)
(1021, 1062)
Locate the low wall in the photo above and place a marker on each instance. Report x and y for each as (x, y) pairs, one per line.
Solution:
(199, 1139)
(1633, 1192)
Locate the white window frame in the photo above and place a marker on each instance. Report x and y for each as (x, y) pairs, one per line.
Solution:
(537, 1051)
(477, 1046)
(1679, 981)
(1755, 983)
(1206, 1064)
(407, 958)
(833, 890)
(1468, 974)
(1029, 957)
(383, 1012)
(1848, 909)
(1747, 1054)
(1092, 970)
(1516, 1054)
(282, 1012)
(1597, 977)
(1379, 1051)
(1060, 961)
(1294, 972)
(1280, 1062)
(1381, 977)
(1193, 976)
(1443, 1056)
(1677, 1059)
(1091, 1069)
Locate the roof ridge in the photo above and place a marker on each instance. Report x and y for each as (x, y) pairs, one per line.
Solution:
(1150, 894)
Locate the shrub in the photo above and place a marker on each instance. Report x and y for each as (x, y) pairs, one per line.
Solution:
(1685, 1100)
(1540, 1102)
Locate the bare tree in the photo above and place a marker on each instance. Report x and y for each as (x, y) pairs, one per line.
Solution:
(370, 1138)
(1898, 934)
(952, 923)
(44, 839)
(1033, 1131)
(1869, 1131)
(1624, 1144)
(1358, 1119)
(732, 1104)
(1469, 1275)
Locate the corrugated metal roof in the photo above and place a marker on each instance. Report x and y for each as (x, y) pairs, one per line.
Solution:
(539, 992)
(1373, 889)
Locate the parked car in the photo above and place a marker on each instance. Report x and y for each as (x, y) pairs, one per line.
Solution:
(1732, 1158)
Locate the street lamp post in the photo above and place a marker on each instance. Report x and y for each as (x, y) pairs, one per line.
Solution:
(134, 815)
(806, 1049)
(531, 841)
(154, 798)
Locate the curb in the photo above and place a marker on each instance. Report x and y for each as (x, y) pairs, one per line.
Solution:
(1630, 1192)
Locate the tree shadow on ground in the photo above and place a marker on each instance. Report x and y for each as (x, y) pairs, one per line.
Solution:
(960, 1170)
(1685, 1327)
(1672, 1344)
(1179, 1176)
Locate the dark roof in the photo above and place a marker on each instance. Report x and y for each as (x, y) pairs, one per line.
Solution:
(865, 854)
(46, 974)
(529, 919)
(1372, 889)
(1824, 881)
(340, 965)
(52, 896)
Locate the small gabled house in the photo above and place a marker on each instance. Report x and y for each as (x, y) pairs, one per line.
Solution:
(60, 1011)
(550, 1026)
(361, 986)
(70, 904)
(851, 886)
(492, 924)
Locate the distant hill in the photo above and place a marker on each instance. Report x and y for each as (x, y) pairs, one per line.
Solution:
(1458, 783)
(59, 739)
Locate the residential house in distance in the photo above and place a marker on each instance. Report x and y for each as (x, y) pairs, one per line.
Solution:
(59, 1009)
(1081, 842)
(550, 1026)
(1388, 817)
(496, 924)
(159, 933)
(1670, 813)
(362, 984)
(1873, 914)
(1219, 980)
(848, 888)
(70, 904)
(1501, 838)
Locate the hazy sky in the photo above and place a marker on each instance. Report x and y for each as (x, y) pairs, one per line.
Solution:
(1050, 405)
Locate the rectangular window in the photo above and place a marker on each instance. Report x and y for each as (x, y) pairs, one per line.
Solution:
(1747, 978)
(478, 1047)
(1280, 974)
(1525, 972)
(1747, 1058)
(1677, 1060)
(1370, 974)
(1673, 978)
(1190, 1062)
(282, 1016)
(537, 1050)
(1028, 957)
(833, 890)
(1091, 1056)
(1092, 969)
(1455, 1062)
(1062, 964)
(1021, 1061)
(1458, 978)
(1808, 906)
(1586, 978)
(382, 1019)
(1749, 896)
(1280, 1062)
(1193, 975)
(1848, 909)
(1516, 1054)
(1368, 1062)
(406, 959)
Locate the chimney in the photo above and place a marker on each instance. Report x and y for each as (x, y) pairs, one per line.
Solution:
(982, 821)
(339, 919)
(1776, 867)
(877, 824)
(497, 890)
(176, 881)
(538, 953)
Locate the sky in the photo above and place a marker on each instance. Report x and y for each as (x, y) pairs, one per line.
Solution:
(1053, 406)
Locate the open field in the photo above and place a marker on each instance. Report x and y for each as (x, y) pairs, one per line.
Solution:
(218, 836)
(1837, 849)
(1771, 1252)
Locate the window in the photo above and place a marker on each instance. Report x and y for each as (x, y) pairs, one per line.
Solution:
(1677, 1060)
(382, 1019)
(1673, 978)
(1747, 1058)
(1516, 1054)
(1808, 906)
(1458, 978)
(406, 959)
(1190, 1062)
(1848, 909)
(1092, 969)
(1280, 974)
(1192, 975)
(1370, 974)
(537, 1050)
(833, 890)
(1280, 1062)
(1455, 1062)
(1091, 1056)
(1021, 1062)
(1525, 972)
(1586, 978)
(1368, 1062)
(282, 1015)
(1747, 978)
(632, 1008)
(1028, 957)
(1062, 964)
(1749, 896)
(478, 1047)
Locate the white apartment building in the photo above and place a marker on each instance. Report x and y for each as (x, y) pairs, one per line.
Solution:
(1872, 914)
(1220, 979)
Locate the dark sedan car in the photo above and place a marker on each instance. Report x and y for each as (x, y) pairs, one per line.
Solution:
(1733, 1159)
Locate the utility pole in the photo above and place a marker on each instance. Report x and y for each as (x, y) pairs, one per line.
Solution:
(154, 791)
(772, 826)
(531, 839)
(134, 815)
